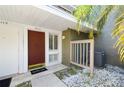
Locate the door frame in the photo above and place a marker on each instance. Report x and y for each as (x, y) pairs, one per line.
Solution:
(26, 45)
(23, 45)
(47, 52)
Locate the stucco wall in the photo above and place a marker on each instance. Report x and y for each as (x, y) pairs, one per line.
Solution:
(70, 35)
(105, 42)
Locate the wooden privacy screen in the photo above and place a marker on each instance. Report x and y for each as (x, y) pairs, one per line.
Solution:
(82, 53)
(36, 47)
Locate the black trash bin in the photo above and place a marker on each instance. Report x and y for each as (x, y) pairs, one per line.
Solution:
(99, 58)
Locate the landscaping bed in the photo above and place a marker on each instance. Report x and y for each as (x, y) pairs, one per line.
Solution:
(24, 84)
(110, 76)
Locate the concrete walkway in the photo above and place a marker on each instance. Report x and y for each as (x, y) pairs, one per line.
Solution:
(43, 79)
(49, 80)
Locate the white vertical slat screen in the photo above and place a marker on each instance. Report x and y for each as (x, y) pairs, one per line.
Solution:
(82, 53)
(87, 54)
(76, 53)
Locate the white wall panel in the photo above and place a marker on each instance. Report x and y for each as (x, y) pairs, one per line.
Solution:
(8, 50)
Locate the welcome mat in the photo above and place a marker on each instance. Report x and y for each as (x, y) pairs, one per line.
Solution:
(24, 84)
(38, 70)
(5, 82)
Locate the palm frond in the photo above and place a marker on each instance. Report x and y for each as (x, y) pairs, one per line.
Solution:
(118, 42)
(118, 31)
(80, 13)
(103, 17)
(98, 16)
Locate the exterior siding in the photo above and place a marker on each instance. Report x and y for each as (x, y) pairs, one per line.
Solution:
(70, 35)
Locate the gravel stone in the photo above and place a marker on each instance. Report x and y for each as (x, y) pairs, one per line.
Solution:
(111, 76)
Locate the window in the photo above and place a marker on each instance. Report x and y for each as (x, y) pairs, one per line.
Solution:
(53, 47)
(53, 42)
(53, 58)
(50, 42)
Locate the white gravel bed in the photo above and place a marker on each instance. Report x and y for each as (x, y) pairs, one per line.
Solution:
(111, 76)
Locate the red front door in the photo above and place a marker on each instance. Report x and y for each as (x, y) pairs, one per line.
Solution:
(36, 48)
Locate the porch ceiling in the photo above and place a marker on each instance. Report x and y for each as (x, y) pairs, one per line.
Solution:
(32, 15)
(35, 16)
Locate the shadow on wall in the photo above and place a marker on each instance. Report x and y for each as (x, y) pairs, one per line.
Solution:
(105, 42)
(70, 35)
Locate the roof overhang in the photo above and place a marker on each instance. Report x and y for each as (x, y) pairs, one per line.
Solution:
(42, 16)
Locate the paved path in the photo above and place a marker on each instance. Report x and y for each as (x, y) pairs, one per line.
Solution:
(43, 79)
(49, 80)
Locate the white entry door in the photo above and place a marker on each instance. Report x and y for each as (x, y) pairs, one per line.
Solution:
(8, 50)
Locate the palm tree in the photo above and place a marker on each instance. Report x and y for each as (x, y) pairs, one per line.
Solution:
(97, 16)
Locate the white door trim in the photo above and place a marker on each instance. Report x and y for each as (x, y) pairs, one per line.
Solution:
(47, 31)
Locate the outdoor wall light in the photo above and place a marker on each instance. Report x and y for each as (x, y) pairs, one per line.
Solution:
(63, 37)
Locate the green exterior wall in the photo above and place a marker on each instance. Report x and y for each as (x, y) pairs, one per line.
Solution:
(70, 35)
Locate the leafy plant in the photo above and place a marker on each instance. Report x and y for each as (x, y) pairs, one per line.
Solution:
(100, 14)
(81, 13)
(103, 17)
(118, 31)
